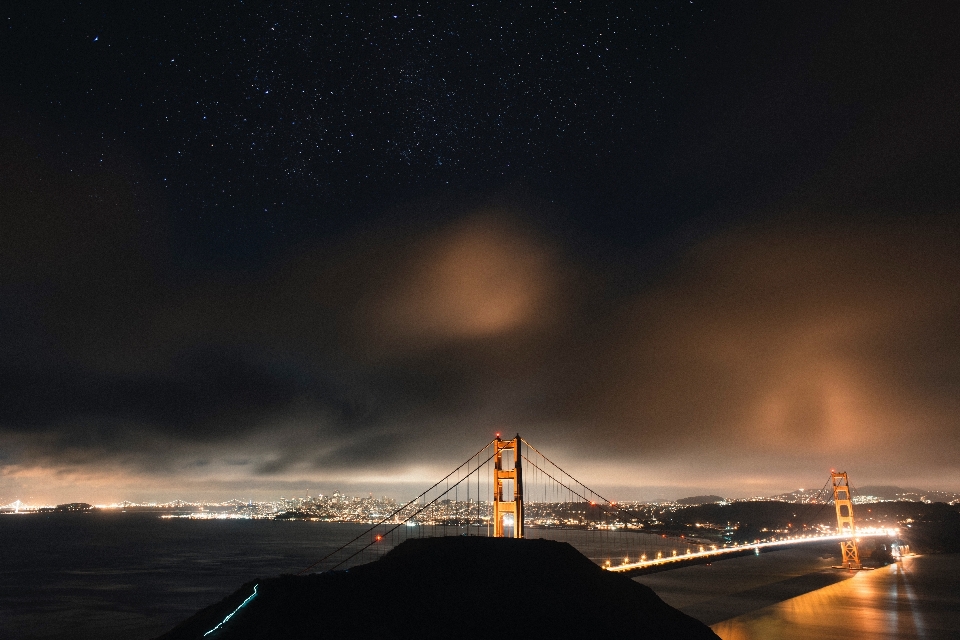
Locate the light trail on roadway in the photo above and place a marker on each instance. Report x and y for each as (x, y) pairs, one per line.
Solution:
(756, 546)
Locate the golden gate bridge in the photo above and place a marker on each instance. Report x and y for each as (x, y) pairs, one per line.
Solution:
(511, 489)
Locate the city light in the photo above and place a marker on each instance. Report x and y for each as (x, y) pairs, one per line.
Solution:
(754, 546)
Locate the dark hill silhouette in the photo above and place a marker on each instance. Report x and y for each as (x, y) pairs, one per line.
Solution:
(462, 587)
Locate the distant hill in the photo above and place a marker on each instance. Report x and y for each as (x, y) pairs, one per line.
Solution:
(878, 492)
(749, 518)
(455, 587)
(700, 500)
(888, 492)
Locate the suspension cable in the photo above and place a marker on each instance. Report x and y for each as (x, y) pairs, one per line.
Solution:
(569, 475)
(615, 506)
(808, 506)
(365, 532)
(571, 490)
(398, 525)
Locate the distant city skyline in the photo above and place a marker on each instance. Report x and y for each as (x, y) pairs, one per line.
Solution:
(665, 495)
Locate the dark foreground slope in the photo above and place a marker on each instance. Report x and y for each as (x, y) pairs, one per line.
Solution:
(451, 587)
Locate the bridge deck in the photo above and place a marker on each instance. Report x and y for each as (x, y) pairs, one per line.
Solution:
(697, 557)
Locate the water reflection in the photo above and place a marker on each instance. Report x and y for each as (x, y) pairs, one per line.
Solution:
(919, 598)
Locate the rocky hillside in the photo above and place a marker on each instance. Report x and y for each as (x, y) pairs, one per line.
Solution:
(465, 587)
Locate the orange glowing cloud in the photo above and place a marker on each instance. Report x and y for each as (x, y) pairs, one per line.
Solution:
(478, 278)
(809, 344)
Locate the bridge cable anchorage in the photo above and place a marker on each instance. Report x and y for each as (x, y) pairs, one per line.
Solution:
(400, 509)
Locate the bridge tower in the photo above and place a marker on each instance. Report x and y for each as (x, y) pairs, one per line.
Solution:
(513, 504)
(845, 526)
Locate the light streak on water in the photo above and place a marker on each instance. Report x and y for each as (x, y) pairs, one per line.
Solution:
(914, 599)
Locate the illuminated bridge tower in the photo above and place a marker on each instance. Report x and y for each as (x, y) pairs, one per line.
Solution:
(512, 504)
(844, 503)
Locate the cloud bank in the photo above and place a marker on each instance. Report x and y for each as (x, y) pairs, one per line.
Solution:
(756, 359)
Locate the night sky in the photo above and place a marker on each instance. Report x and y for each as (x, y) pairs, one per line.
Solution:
(252, 249)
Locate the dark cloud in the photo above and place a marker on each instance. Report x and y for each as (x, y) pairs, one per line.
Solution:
(835, 341)
(748, 279)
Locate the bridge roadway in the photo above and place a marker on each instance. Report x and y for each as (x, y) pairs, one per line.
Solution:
(696, 557)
